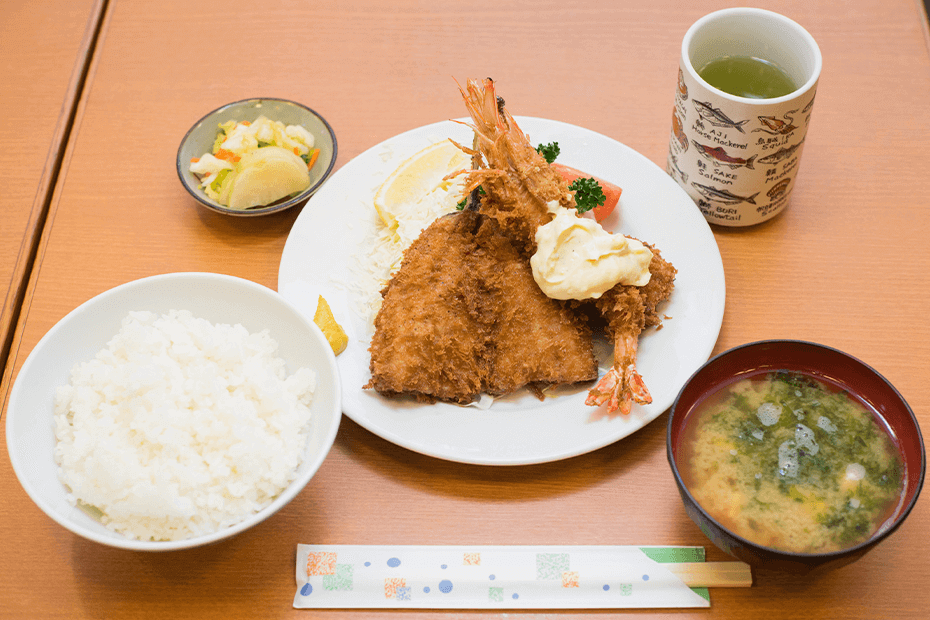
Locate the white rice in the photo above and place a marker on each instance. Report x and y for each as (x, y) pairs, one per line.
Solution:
(180, 427)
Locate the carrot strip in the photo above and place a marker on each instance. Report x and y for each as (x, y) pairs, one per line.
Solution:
(227, 155)
(313, 157)
(194, 160)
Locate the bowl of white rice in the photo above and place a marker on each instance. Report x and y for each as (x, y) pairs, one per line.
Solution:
(173, 411)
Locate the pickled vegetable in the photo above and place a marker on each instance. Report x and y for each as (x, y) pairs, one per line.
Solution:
(254, 164)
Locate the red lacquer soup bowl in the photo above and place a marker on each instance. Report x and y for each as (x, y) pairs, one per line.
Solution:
(822, 363)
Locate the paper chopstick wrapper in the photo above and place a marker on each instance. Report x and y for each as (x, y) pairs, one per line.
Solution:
(494, 577)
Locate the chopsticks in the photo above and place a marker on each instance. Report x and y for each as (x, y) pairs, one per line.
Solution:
(509, 576)
(712, 574)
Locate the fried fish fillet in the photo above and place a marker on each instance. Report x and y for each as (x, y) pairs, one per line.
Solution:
(463, 316)
(431, 334)
(538, 341)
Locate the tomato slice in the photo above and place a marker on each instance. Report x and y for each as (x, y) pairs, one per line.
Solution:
(611, 192)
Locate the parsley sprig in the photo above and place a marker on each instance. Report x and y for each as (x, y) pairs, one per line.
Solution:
(549, 151)
(588, 194)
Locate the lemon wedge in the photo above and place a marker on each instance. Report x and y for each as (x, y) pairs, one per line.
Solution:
(419, 176)
(266, 175)
(324, 319)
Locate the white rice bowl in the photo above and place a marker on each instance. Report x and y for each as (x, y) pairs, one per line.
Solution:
(181, 427)
(212, 418)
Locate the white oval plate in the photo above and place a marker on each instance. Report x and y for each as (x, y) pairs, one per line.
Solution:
(320, 257)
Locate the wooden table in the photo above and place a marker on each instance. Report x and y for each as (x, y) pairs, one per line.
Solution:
(846, 265)
(44, 50)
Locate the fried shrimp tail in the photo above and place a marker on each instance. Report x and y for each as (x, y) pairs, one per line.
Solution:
(621, 385)
(629, 310)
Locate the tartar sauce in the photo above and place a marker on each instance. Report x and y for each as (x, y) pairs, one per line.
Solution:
(577, 259)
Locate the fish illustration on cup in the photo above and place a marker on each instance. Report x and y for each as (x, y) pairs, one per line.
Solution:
(718, 155)
(716, 117)
(674, 170)
(781, 154)
(724, 196)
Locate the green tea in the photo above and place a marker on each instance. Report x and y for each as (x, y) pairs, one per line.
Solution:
(747, 76)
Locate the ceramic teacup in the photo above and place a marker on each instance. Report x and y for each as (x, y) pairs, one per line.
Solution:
(738, 156)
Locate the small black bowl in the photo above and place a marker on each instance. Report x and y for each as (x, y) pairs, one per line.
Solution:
(820, 361)
(199, 140)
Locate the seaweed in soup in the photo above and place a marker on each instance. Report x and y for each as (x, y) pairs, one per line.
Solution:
(792, 462)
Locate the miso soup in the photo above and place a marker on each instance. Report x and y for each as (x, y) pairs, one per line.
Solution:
(791, 462)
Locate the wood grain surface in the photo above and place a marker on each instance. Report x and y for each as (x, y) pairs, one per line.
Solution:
(44, 50)
(845, 265)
